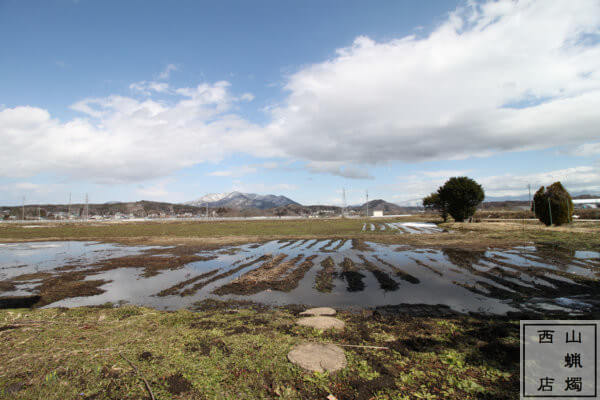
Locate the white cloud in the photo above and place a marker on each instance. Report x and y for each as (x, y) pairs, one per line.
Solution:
(124, 139)
(247, 97)
(339, 169)
(235, 172)
(458, 92)
(445, 173)
(242, 170)
(499, 76)
(166, 73)
(576, 179)
(413, 188)
(270, 165)
(587, 150)
(157, 190)
(147, 87)
(28, 186)
(265, 188)
(34, 193)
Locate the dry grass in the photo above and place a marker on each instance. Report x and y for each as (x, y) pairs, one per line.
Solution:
(212, 235)
(230, 352)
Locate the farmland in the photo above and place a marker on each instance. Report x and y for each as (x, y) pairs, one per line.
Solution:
(224, 296)
(579, 235)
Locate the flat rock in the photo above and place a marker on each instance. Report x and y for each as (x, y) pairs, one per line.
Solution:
(321, 322)
(318, 357)
(319, 311)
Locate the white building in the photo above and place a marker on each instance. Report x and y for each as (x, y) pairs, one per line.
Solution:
(586, 203)
(377, 213)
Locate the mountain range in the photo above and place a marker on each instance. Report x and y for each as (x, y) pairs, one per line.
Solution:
(236, 204)
(239, 201)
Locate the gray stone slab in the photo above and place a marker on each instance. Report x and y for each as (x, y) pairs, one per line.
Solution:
(321, 322)
(318, 357)
(319, 311)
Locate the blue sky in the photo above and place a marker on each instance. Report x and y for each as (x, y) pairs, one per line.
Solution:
(131, 100)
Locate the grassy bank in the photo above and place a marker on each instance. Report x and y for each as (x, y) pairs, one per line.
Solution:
(198, 229)
(225, 351)
(576, 236)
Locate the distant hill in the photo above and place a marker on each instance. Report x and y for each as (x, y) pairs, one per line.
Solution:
(299, 210)
(242, 201)
(521, 202)
(325, 210)
(141, 208)
(505, 205)
(382, 205)
(525, 197)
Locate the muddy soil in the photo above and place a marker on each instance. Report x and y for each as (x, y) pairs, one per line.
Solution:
(385, 280)
(324, 278)
(274, 275)
(188, 291)
(529, 279)
(353, 277)
(399, 272)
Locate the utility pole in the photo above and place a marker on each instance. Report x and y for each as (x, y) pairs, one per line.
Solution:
(343, 201)
(206, 204)
(529, 189)
(87, 209)
(69, 207)
(39, 214)
(23, 208)
(367, 192)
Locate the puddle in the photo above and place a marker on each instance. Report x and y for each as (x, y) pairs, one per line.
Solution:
(347, 273)
(29, 258)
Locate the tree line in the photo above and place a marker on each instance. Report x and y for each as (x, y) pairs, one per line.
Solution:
(460, 196)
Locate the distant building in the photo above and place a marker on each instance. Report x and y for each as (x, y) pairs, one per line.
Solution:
(586, 203)
(377, 213)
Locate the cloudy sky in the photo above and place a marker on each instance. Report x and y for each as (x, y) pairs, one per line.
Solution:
(131, 100)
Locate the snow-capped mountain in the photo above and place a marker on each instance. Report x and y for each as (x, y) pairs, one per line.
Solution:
(240, 200)
(212, 197)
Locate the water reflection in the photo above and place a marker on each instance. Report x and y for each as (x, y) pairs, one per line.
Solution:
(286, 272)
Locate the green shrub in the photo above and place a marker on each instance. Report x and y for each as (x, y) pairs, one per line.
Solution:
(553, 205)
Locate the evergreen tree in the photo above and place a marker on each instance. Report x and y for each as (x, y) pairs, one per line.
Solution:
(553, 205)
(461, 195)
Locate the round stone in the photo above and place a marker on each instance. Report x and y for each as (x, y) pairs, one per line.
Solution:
(321, 322)
(319, 311)
(318, 357)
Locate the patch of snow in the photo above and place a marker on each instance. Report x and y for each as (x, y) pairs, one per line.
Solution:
(421, 225)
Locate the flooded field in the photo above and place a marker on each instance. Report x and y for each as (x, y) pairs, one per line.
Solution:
(338, 273)
(403, 227)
